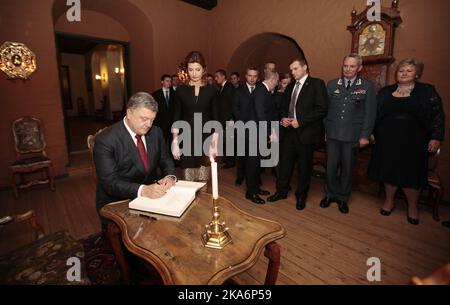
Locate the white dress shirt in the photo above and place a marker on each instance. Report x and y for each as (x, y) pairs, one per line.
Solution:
(249, 87)
(302, 81)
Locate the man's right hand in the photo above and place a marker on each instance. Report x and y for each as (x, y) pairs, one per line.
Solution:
(285, 122)
(153, 191)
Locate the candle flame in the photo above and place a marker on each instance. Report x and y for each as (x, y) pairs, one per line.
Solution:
(212, 159)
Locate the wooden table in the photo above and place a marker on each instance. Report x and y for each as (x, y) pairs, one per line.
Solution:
(175, 248)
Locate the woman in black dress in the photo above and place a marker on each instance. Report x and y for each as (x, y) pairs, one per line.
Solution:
(410, 124)
(194, 99)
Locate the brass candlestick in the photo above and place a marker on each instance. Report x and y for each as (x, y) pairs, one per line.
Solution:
(216, 235)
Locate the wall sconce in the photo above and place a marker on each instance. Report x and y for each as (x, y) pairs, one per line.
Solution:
(119, 72)
(182, 74)
(102, 78)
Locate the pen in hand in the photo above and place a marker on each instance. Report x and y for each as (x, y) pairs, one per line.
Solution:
(163, 186)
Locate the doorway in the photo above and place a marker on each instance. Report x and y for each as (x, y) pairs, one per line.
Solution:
(264, 47)
(94, 89)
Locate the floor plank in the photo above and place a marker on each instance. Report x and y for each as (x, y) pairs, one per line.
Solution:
(322, 246)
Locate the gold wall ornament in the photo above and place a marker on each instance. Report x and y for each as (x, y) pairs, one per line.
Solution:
(16, 60)
(182, 74)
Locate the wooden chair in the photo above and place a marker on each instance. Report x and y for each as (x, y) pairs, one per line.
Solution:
(90, 144)
(30, 151)
(43, 261)
(439, 277)
(29, 217)
(434, 186)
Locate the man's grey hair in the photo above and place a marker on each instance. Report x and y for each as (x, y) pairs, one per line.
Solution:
(142, 99)
(355, 56)
(268, 75)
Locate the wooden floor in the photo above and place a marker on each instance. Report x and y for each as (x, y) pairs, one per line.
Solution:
(322, 246)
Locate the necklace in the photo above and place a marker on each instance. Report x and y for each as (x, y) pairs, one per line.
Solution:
(404, 91)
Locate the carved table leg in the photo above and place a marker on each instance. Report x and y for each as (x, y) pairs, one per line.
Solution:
(116, 244)
(272, 252)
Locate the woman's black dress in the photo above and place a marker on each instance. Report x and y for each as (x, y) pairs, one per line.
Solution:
(400, 153)
(186, 105)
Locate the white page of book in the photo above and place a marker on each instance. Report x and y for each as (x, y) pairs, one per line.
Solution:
(173, 203)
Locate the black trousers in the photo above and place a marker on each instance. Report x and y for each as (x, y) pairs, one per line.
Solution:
(341, 158)
(250, 165)
(240, 167)
(293, 151)
(228, 159)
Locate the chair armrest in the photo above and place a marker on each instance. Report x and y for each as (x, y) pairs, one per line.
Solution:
(31, 218)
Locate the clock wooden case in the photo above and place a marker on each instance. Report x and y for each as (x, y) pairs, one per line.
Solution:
(374, 42)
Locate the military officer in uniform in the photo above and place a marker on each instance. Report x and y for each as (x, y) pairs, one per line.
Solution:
(348, 125)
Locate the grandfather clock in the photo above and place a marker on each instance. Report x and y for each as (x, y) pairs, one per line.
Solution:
(374, 42)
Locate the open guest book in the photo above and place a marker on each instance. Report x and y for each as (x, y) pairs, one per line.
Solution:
(174, 203)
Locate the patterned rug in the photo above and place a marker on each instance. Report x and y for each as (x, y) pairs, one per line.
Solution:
(102, 267)
(101, 264)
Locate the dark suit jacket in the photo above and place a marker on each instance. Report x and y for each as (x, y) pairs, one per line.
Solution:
(225, 100)
(263, 105)
(311, 108)
(119, 167)
(165, 116)
(243, 105)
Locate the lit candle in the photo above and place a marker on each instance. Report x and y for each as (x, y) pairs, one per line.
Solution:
(215, 186)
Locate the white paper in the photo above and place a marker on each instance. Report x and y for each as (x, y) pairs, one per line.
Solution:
(173, 203)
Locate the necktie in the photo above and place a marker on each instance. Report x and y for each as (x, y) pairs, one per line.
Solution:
(252, 88)
(166, 93)
(142, 152)
(349, 84)
(293, 100)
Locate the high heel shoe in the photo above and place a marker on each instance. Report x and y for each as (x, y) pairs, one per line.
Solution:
(413, 221)
(386, 213)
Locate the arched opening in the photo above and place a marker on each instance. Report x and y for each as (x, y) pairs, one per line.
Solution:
(264, 47)
(136, 24)
(97, 55)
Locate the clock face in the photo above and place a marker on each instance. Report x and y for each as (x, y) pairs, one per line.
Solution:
(372, 40)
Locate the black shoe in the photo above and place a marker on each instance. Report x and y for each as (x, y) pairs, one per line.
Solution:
(255, 198)
(238, 181)
(301, 203)
(386, 213)
(277, 196)
(343, 207)
(446, 223)
(263, 192)
(413, 221)
(325, 202)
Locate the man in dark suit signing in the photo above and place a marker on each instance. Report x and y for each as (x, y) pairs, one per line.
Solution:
(127, 155)
(303, 108)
